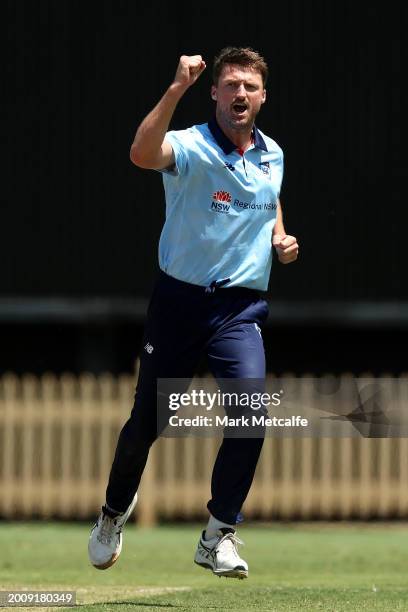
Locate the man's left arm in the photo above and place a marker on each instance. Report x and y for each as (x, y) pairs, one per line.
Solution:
(286, 246)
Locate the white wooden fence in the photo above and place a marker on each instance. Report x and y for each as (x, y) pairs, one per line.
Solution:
(58, 436)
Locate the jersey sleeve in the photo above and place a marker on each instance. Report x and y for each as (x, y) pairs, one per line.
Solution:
(281, 166)
(179, 144)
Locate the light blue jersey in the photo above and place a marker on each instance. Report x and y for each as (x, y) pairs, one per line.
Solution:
(220, 208)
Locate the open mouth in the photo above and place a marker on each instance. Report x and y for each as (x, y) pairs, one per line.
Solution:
(239, 109)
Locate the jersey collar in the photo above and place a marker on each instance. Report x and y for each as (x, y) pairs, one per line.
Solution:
(224, 142)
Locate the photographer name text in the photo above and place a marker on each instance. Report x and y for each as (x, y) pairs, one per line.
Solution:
(254, 420)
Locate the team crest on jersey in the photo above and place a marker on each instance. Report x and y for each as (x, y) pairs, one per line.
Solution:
(221, 201)
(264, 166)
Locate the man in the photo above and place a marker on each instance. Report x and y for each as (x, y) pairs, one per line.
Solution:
(222, 181)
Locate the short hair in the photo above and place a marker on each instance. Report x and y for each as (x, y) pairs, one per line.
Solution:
(242, 56)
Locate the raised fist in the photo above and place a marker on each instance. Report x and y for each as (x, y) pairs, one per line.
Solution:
(189, 69)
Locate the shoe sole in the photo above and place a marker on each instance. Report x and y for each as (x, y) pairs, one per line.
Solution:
(108, 564)
(240, 574)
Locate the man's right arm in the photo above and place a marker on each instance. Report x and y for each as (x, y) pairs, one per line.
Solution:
(149, 148)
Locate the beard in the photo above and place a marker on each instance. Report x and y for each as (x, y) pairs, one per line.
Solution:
(238, 122)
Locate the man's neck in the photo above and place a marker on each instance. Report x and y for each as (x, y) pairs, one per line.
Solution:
(241, 139)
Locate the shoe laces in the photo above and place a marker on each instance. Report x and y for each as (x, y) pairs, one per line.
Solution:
(230, 541)
(108, 529)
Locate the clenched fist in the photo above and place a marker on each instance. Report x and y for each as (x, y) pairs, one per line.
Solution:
(189, 69)
(286, 247)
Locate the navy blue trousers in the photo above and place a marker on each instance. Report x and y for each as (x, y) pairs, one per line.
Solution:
(183, 322)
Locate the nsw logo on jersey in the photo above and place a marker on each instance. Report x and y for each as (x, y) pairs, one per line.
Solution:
(221, 202)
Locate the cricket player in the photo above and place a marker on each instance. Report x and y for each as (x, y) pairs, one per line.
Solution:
(222, 182)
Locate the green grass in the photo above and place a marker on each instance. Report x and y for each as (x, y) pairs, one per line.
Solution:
(297, 567)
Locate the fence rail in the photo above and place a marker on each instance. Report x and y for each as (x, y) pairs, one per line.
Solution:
(58, 436)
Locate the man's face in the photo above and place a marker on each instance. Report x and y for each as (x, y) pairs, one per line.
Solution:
(239, 94)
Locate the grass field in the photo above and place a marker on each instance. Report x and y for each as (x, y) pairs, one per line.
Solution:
(296, 567)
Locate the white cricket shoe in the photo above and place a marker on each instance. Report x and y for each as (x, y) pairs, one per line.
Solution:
(105, 541)
(220, 554)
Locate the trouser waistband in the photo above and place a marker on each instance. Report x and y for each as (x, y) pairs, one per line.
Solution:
(217, 286)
